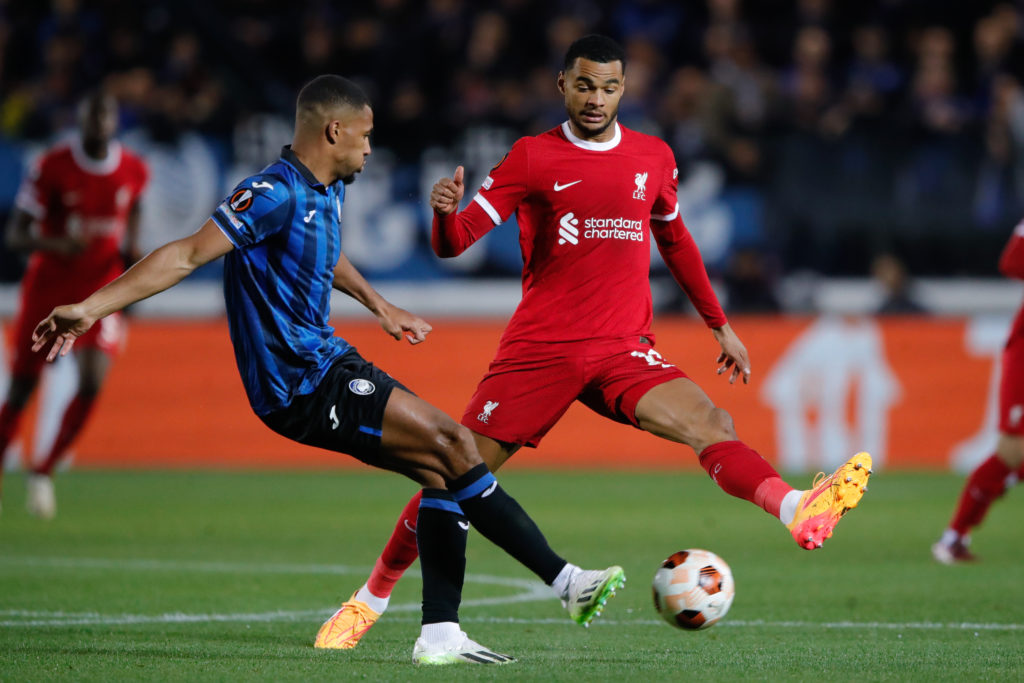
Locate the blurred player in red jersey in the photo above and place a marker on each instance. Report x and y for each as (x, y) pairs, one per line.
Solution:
(78, 214)
(1005, 467)
(587, 195)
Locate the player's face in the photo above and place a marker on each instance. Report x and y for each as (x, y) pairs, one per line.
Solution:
(592, 92)
(98, 120)
(353, 143)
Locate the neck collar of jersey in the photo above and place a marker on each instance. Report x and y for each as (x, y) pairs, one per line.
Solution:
(104, 166)
(590, 144)
(288, 155)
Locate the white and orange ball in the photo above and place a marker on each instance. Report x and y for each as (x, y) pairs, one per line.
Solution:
(693, 589)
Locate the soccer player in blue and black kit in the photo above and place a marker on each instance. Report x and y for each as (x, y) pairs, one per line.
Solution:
(280, 232)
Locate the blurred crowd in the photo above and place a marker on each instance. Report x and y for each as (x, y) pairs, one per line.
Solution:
(881, 126)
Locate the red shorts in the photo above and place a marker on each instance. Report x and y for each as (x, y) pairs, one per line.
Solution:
(107, 335)
(1011, 389)
(518, 401)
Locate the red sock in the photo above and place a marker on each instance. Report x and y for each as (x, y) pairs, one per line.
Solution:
(986, 483)
(399, 553)
(740, 471)
(74, 418)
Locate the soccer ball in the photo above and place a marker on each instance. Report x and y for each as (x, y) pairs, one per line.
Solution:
(693, 589)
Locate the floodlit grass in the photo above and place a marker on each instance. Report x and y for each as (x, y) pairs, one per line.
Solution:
(227, 576)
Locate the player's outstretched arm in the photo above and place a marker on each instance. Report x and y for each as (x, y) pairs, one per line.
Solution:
(161, 269)
(396, 321)
(733, 355)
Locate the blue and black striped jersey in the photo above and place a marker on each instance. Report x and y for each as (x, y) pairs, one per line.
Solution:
(285, 226)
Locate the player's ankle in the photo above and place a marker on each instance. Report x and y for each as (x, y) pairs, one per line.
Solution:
(375, 602)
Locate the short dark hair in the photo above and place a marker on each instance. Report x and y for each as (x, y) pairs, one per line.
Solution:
(596, 48)
(328, 92)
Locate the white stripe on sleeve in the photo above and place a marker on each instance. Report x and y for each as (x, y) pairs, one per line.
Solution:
(479, 199)
(669, 217)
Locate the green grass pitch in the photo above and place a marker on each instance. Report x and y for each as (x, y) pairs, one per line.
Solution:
(227, 576)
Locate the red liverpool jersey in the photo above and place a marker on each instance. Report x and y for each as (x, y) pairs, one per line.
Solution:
(1011, 264)
(71, 194)
(585, 212)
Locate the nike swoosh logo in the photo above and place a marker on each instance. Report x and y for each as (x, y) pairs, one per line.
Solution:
(334, 417)
(464, 526)
(263, 184)
(408, 526)
(310, 216)
(489, 490)
(559, 188)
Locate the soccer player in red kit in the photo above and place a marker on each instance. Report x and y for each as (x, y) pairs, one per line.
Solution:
(1005, 467)
(587, 195)
(78, 214)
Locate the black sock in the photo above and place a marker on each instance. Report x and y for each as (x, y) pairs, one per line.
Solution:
(501, 520)
(441, 539)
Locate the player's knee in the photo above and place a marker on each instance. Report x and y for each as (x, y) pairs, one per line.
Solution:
(1010, 450)
(456, 449)
(718, 426)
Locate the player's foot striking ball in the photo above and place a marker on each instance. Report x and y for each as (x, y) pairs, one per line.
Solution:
(829, 498)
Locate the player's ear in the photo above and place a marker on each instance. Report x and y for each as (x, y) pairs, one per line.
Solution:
(333, 131)
(561, 82)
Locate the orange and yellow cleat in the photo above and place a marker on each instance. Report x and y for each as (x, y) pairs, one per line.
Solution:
(829, 498)
(344, 629)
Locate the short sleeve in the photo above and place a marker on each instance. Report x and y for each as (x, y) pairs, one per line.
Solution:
(666, 204)
(258, 207)
(34, 190)
(506, 184)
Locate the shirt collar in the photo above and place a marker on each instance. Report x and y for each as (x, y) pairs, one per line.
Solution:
(589, 144)
(289, 156)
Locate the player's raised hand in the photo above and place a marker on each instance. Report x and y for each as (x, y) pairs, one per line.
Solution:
(399, 323)
(733, 355)
(447, 193)
(63, 326)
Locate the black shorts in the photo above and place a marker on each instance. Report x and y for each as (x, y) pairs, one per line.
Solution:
(344, 413)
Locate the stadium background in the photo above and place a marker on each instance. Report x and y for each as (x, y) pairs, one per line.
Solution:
(824, 149)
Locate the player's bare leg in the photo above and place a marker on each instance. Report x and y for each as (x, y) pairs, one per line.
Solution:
(93, 366)
(986, 483)
(680, 411)
(19, 391)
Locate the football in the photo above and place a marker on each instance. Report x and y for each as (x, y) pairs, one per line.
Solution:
(693, 589)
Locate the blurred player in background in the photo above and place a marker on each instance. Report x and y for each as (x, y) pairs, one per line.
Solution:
(587, 195)
(280, 232)
(1005, 467)
(78, 214)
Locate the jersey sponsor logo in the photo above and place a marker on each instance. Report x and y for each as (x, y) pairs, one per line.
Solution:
(241, 200)
(488, 181)
(599, 228)
(559, 187)
(309, 216)
(363, 387)
(334, 417)
(465, 525)
(652, 357)
(568, 230)
(489, 407)
(641, 186)
(262, 184)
